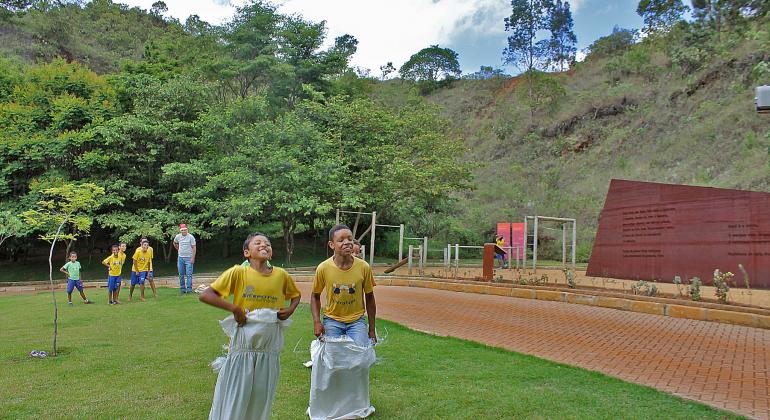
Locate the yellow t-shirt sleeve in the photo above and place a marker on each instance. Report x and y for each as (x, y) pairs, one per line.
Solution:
(289, 288)
(368, 280)
(107, 260)
(319, 281)
(226, 283)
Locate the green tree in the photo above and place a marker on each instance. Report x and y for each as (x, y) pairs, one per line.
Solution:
(67, 209)
(158, 9)
(619, 40)
(659, 15)
(721, 13)
(562, 44)
(545, 91)
(10, 226)
(431, 64)
(527, 19)
(386, 69)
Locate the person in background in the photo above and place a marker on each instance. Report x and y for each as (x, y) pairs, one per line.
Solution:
(184, 242)
(72, 270)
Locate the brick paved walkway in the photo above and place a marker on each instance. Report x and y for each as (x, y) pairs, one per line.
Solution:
(725, 366)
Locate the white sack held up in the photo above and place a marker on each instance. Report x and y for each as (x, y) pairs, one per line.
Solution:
(248, 375)
(339, 382)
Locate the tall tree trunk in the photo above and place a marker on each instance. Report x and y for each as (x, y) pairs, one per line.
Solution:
(50, 279)
(288, 238)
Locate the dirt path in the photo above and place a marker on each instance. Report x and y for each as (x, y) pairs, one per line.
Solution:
(725, 366)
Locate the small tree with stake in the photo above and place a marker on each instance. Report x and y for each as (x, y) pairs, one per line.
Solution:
(65, 209)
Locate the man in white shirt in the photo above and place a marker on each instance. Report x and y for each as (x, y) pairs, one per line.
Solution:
(184, 243)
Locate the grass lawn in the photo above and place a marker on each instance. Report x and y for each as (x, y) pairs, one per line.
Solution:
(150, 360)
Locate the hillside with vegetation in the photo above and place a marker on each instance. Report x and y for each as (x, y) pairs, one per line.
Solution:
(674, 107)
(254, 125)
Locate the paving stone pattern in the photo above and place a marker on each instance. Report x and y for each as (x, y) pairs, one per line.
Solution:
(722, 365)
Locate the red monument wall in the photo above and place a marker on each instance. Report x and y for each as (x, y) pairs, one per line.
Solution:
(650, 231)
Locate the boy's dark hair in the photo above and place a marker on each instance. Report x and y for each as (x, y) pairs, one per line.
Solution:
(121, 243)
(252, 236)
(115, 246)
(144, 240)
(356, 242)
(73, 253)
(335, 229)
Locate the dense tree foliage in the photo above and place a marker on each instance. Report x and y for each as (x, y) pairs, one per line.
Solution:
(252, 123)
(660, 14)
(431, 64)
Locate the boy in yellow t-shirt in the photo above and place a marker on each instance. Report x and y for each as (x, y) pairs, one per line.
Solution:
(142, 266)
(114, 264)
(255, 286)
(348, 282)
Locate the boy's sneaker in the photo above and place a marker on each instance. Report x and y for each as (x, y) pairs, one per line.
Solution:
(87, 302)
(112, 303)
(69, 303)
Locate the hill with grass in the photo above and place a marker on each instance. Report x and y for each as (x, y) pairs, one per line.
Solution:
(674, 108)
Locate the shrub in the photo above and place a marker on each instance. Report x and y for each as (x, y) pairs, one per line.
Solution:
(721, 281)
(694, 288)
(688, 58)
(619, 40)
(644, 288)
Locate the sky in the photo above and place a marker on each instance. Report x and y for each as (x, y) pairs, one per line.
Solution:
(393, 30)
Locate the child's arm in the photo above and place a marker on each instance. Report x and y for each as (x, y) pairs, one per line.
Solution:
(315, 309)
(65, 272)
(285, 313)
(211, 297)
(371, 314)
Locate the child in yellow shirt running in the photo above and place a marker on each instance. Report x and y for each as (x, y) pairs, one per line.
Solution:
(348, 282)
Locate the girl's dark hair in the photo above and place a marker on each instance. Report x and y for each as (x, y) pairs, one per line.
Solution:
(252, 236)
(335, 229)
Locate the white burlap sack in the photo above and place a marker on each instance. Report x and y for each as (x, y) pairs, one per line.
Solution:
(339, 382)
(248, 375)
